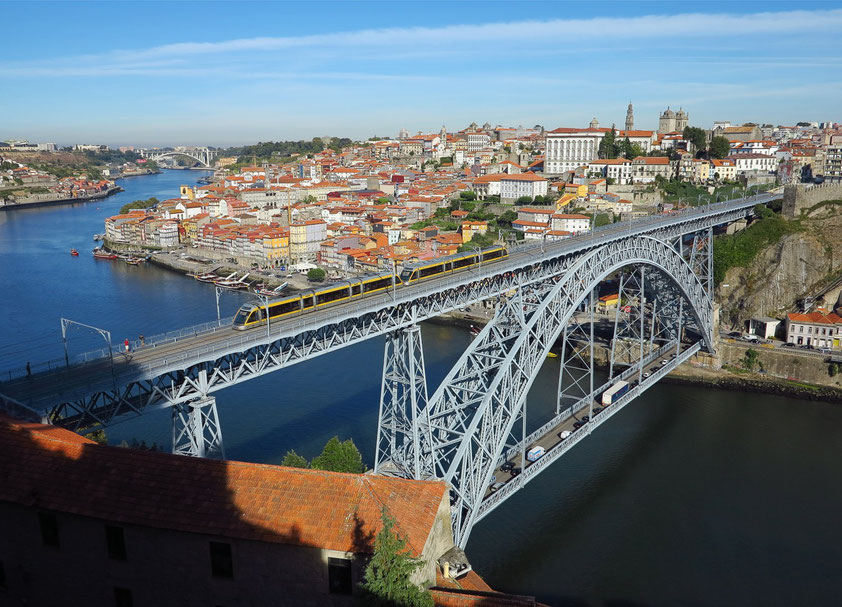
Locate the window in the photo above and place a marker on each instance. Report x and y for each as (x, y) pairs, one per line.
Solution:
(339, 575)
(222, 563)
(115, 542)
(122, 597)
(49, 528)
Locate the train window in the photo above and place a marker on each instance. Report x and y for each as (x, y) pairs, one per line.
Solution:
(380, 283)
(492, 254)
(283, 308)
(253, 317)
(405, 275)
(431, 270)
(465, 261)
(307, 302)
(240, 318)
(323, 298)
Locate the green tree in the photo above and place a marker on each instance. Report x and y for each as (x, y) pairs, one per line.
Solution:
(601, 219)
(293, 460)
(524, 200)
(720, 147)
(138, 204)
(339, 456)
(539, 200)
(608, 146)
(468, 195)
(750, 359)
(316, 274)
(388, 576)
(832, 369)
(506, 219)
(630, 150)
(696, 136)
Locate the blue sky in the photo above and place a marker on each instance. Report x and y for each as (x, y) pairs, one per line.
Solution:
(226, 73)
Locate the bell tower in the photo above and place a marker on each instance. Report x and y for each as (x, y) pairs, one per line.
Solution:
(630, 118)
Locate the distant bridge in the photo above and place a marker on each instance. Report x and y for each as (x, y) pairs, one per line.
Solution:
(473, 428)
(204, 156)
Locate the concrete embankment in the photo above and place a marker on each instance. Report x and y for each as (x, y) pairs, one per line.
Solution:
(32, 203)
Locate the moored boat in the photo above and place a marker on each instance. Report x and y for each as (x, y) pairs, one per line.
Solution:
(100, 253)
(74, 252)
(205, 277)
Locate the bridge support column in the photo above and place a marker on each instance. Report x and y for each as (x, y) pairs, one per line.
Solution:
(196, 430)
(403, 400)
(575, 376)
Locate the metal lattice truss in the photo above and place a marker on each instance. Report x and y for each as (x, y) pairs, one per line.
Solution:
(176, 380)
(196, 429)
(471, 417)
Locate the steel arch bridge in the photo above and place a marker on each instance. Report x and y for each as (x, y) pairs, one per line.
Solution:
(474, 423)
(468, 428)
(203, 156)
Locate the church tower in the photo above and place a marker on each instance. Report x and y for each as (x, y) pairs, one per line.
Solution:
(630, 118)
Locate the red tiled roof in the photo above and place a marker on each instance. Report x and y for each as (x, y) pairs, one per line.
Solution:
(55, 469)
(816, 318)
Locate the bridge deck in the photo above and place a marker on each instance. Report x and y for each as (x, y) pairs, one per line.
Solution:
(549, 437)
(43, 390)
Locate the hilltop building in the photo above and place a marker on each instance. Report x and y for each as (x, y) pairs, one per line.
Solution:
(672, 122)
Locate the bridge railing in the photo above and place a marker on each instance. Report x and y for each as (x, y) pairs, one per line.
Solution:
(250, 338)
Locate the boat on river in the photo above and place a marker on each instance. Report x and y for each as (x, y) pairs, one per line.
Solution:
(74, 252)
(267, 292)
(233, 284)
(205, 277)
(100, 253)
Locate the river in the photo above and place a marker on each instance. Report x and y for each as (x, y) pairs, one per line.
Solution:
(688, 496)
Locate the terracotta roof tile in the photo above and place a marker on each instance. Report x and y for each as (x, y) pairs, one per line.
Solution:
(55, 469)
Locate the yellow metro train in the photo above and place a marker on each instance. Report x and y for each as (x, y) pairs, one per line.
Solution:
(252, 315)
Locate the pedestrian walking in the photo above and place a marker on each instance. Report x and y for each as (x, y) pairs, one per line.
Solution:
(28, 370)
(142, 340)
(126, 343)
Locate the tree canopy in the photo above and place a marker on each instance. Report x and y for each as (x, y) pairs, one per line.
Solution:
(388, 576)
(720, 147)
(316, 274)
(293, 460)
(608, 146)
(339, 456)
(139, 204)
(696, 136)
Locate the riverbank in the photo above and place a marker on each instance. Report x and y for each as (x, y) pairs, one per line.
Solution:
(786, 373)
(28, 204)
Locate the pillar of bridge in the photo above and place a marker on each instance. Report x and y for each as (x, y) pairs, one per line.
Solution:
(196, 430)
(403, 399)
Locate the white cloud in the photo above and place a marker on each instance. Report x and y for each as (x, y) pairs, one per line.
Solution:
(479, 39)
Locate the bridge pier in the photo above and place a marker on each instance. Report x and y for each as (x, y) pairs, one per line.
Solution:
(196, 430)
(403, 400)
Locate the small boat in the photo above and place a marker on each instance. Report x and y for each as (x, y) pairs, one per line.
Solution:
(474, 330)
(233, 285)
(100, 253)
(205, 277)
(74, 252)
(267, 292)
(552, 355)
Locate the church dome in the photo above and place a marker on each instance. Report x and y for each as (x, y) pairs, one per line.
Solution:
(668, 114)
(681, 114)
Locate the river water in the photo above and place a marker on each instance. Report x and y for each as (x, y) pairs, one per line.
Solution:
(688, 496)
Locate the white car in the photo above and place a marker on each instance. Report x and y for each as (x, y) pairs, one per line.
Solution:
(564, 434)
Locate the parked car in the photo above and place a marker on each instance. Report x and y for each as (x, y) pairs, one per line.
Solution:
(577, 425)
(506, 467)
(564, 434)
(496, 487)
(647, 374)
(586, 418)
(788, 344)
(516, 471)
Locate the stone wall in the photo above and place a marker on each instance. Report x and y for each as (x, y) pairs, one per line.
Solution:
(800, 197)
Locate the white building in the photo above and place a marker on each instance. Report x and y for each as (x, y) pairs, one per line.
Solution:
(569, 148)
(816, 329)
(754, 163)
(513, 187)
(562, 222)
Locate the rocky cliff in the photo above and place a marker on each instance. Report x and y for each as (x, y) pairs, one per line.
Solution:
(800, 264)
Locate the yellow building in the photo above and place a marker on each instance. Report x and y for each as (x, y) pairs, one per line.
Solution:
(472, 228)
(606, 302)
(578, 190)
(188, 192)
(564, 201)
(701, 169)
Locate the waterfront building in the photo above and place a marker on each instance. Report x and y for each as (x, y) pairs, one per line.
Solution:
(818, 329)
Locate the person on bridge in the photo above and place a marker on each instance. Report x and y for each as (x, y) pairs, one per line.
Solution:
(126, 343)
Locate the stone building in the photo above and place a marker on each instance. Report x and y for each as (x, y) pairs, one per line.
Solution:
(816, 329)
(88, 524)
(672, 122)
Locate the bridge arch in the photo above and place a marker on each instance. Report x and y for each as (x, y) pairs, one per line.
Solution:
(471, 415)
(204, 162)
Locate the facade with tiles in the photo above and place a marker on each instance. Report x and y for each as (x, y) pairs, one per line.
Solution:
(88, 524)
(816, 329)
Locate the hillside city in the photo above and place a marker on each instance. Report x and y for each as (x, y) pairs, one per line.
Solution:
(246, 365)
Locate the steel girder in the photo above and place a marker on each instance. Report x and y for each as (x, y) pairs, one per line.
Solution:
(403, 398)
(472, 413)
(196, 429)
(136, 392)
